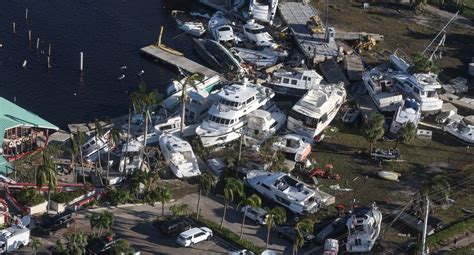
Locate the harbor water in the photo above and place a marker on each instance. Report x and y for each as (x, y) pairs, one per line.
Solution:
(110, 33)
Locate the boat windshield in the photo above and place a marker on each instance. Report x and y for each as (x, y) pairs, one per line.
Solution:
(224, 28)
(229, 103)
(220, 120)
(307, 121)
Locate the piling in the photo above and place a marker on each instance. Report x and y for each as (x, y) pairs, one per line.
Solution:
(82, 62)
(49, 62)
(37, 44)
(14, 28)
(49, 50)
(26, 14)
(29, 36)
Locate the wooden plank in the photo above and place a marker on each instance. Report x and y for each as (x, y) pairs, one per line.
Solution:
(179, 61)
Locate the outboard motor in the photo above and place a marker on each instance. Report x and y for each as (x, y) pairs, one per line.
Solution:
(330, 34)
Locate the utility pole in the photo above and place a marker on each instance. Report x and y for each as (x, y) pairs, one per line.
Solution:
(425, 227)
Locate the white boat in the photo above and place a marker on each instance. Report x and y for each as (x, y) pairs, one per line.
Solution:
(379, 84)
(363, 229)
(316, 110)
(423, 87)
(263, 10)
(179, 156)
(130, 159)
(460, 130)
(293, 145)
(284, 190)
(389, 175)
(218, 56)
(295, 83)
(227, 117)
(192, 28)
(94, 144)
(219, 28)
(254, 57)
(399, 63)
(170, 125)
(257, 34)
(261, 125)
(172, 102)
(409, 111)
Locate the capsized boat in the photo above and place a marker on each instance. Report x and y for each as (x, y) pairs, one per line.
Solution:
(261, 125)
(363, 228)
(179, 156)
(389, 175)
(293, 146)
(95, 146)
(257, 58)
(294, 83)
(409, 111)
(217, 56)
(461, 131)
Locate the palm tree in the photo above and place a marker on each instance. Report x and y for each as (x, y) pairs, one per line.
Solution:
(233, 187)
(80, 141)
(101, 221)
(164, 196)
(190, 80)
(305, 225)
(206, 182)
(35, 244)
(74, 151)
(47, 175)
(254, 201)
(438, 187)
(406, 134)
(99, 132)
(422, 64)
(276, 215)
(77, 243)
(114, 140)
(123, 247)
(179, 210)
(373, 129)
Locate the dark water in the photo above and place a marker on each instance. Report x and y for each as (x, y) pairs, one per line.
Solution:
(109, 32)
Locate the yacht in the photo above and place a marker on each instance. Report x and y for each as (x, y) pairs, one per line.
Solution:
(294, 83)
(261, 125)
(219, 28)
(170, 125)
(131, 159)
(379, 84)
(293, 146)
(257, 34)
(263, 10)
(461, 131)
(409, 111)
(189, 27)
(257, 58)
(179, 156)
(197, 106)
(227, 116)
(284, 190)
(316, 109)
(423, 87)
(363, 229)
(94, 144)
(172, 102)
(217, 56)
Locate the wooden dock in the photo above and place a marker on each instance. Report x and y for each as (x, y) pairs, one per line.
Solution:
(179, 61)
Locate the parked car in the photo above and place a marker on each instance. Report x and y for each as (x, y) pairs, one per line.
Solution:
(194, 236)
(176, 226)
(289, 233)
(102, 246)
(58, 221)
(241, 252)
(258, 215)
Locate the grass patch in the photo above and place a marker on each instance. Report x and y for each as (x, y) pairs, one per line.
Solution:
(228, 235)
(451, 232)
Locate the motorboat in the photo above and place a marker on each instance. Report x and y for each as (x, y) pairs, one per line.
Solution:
(281, 188)
(389, 175)
(350, 115)
(256, 58)
(197, 106)
(174, 90)
(257, 34)
(423, 87)
(294, 83)
(131, 158)
(192, 28)
(316, 110)
(399, 63)
(217, 56)
(385, 154)
(379, 84)
(94, 146)
(179, 156)
(363, 227)
(261, 125)
(293, 146)
(169, 125)
(229, 115)
(220, 29)
(331, 247)
(263, 10)
(461, 131)
(408, 111)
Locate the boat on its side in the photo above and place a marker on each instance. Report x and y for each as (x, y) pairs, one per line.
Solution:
(363, 229)
(179, 156)
(217, 56)
(409, 111)
(316, 109)
(256, 58)
(294, 83)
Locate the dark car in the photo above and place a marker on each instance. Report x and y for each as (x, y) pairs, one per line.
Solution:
(289, 233)
(102, 246)
(176, 226)
(58, 221)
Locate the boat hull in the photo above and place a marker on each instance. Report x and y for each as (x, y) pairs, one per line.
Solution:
(286, 91)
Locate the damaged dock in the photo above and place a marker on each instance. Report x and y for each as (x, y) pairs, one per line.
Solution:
(179, 61)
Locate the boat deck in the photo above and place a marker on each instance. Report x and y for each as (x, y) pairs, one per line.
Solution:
(314, 47)
(179, 61)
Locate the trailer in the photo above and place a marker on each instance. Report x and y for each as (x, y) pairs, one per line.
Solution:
(14, 238)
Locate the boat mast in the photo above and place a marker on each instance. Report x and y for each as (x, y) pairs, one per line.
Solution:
(440, 38)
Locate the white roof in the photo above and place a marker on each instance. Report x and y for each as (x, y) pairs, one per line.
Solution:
(175, 143)
(237, 92)
(133, 146)
(312, 102)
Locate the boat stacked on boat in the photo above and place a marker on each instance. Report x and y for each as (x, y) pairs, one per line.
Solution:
(261, 125)
(179, 156)
(379, 84)
(408, 112)
(295, 82)
(316, 110)
(263, 10)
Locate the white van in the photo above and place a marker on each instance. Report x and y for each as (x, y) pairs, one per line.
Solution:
(194, 236)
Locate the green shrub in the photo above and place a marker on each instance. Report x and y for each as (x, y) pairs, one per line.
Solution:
(66, 197)
(228, 235)
(117, 197)
(29, 197)
(450, 232)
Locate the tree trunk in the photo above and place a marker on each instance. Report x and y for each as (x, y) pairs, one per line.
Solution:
(82, 164)
(144, 139)
(108, 162)
(295, 249)
(163, 208)
(128, 136)
(49, 198)
(225, 211)
(242, 226)
(198, 204)
(73, 168)
(183, 110)
(269, 228)
(98, 153)
(396, 143)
